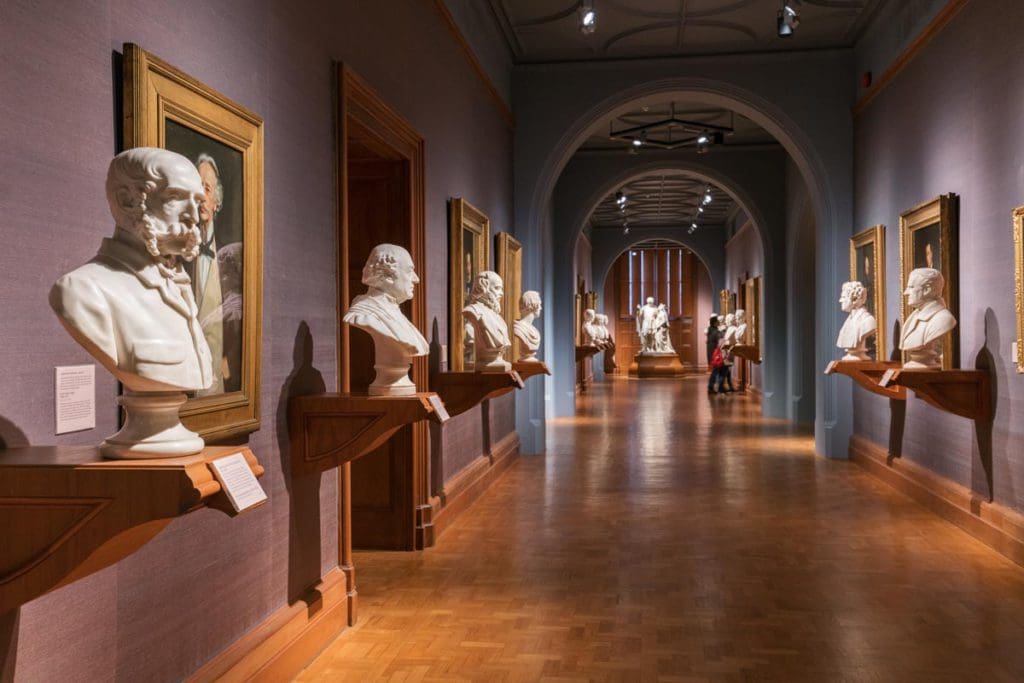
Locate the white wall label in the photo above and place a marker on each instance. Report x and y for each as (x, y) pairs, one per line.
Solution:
(830, 367)
(74, 394)
(238, 482)
(438, 405)
(887, 377)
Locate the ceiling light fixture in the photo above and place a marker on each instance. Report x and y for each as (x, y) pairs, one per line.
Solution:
(787, 21)
(620, 199)
(707, 197)
(588, 17)
(665, 133)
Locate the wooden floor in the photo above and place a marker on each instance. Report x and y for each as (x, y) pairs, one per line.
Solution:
(668, 535)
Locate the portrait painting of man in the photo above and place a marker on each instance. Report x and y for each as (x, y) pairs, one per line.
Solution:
(927, 246)
(865, 260)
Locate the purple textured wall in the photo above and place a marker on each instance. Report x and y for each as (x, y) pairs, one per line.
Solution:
(208, 579)
(949, 123)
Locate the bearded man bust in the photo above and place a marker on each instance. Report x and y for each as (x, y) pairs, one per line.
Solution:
(490, 332)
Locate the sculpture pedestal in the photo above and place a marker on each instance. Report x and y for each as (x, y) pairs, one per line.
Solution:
(657, 365)
(152, 428)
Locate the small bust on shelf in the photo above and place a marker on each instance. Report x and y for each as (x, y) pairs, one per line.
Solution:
(604, 336)
(526, 333)
(132, 307)
(730, 330)
(859, 325)
(925, 328)
(490, 332)
(590, 331)
(390, 278)
(740, 333)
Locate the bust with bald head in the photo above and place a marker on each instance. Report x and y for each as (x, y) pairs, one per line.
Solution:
(926, 327)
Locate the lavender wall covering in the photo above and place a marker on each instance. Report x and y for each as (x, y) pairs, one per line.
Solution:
(744, 257)
(950, 123)
(207, 579)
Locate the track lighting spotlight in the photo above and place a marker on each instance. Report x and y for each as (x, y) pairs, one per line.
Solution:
(703, 139)
(707, 197)
(700, 209)
(620, 200)
(787, 21)
(588, 17)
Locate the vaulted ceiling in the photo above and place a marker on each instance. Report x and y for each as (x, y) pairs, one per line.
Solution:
(548, 30)
(669, 199)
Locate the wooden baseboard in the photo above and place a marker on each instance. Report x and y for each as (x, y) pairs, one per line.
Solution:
(287, 641)
(997, 526)
(466, 487)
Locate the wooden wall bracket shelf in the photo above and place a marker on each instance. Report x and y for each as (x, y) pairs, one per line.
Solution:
(460, 391)
(967, 393)
(868, 374)
(530, 369)
(584, 352)
(328, 430)
(66, 512)
(748, 352)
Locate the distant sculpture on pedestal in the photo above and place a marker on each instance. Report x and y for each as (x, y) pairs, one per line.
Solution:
(390, 277)
(647, 326)
(730, 330)
(523, 329)
(925, 328)
(740, 333)
(604, 337)
(859, 325)
(590, 330)
(132, 306)
(490, 332)
(662, 342)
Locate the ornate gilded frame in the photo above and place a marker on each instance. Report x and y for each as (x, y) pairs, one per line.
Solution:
(1018, 288)
(873, 238)
(943, 212)
(508, 259)
(752, 299)
(726, 302)
(156, 93)
(463, 219)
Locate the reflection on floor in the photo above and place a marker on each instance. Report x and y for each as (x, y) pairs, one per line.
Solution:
(675, 536)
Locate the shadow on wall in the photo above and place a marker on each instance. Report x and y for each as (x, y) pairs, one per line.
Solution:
(10, 437)
(897, 409)
(436, 448)
(303, 492)
(981, 462)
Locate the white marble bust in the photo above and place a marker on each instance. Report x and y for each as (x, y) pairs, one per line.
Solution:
(730, 330)
(604, 335)
(925, 328)
(590, 331)
(859, 325)
(490, 332)
(524, 330)
(132, 305)
(740, 334)
(390, 278)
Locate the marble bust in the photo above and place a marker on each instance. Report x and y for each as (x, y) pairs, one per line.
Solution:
(740, 334)
(132, 306)
(590, 331)
(390, 278)
(730, 330)
(524, 330)
(859, 325)
(604, 335)
(925, 328)
(490, 332)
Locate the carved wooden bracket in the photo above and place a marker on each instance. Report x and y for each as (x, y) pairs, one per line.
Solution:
(67, 513)
(967, 393)
(530, 369)
(868, 373)
(751, 353)
(460, 391)
(328, 430)
(583, 352)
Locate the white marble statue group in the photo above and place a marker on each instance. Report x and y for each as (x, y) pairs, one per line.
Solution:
(923, 331)
(652, 326)
(595, 330)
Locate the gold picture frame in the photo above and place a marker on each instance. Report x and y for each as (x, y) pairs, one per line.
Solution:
(1018, 279)
(508, 259)
(752, 299)
(577, 315)
(867, 266)
(927, 228)
(164, 107)
(469, 233)
(726, 302)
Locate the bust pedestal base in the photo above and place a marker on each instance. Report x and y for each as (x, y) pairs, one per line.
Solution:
(152, 428)
(657, 365)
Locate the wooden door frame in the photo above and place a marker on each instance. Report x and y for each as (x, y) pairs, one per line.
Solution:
(357, 101)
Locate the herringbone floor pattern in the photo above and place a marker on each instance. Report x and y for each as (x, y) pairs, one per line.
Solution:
(671, 536)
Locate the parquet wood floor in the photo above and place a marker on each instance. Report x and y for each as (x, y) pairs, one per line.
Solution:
(672, 536)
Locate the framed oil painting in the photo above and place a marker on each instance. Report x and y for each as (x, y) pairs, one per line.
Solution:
(1018, 261)
(577, 315)
(726, 302)
(164, 107)
(867, 266)
(929, 237)
(508, 259)
(752, 300)
(469, 234)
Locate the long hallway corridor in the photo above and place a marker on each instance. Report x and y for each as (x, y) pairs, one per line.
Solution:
(668, 535)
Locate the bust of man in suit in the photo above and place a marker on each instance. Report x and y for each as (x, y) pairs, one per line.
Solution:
(859, 325)
(925, 328)
(490, 332)
(390, 277)
(132, 306)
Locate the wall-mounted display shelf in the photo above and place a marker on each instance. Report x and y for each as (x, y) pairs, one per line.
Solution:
(328, 430)
(66, 512)
(460, 391)
(530, 369)
(967, 393)
(583, 352)
(748, 352)
(867, 374)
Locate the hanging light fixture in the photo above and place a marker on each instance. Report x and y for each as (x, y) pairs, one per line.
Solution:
(588, 17)
(787, 20)
(620, 200)
(707, 196)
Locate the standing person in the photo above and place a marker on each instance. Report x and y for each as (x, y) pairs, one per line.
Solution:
(713, 334)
